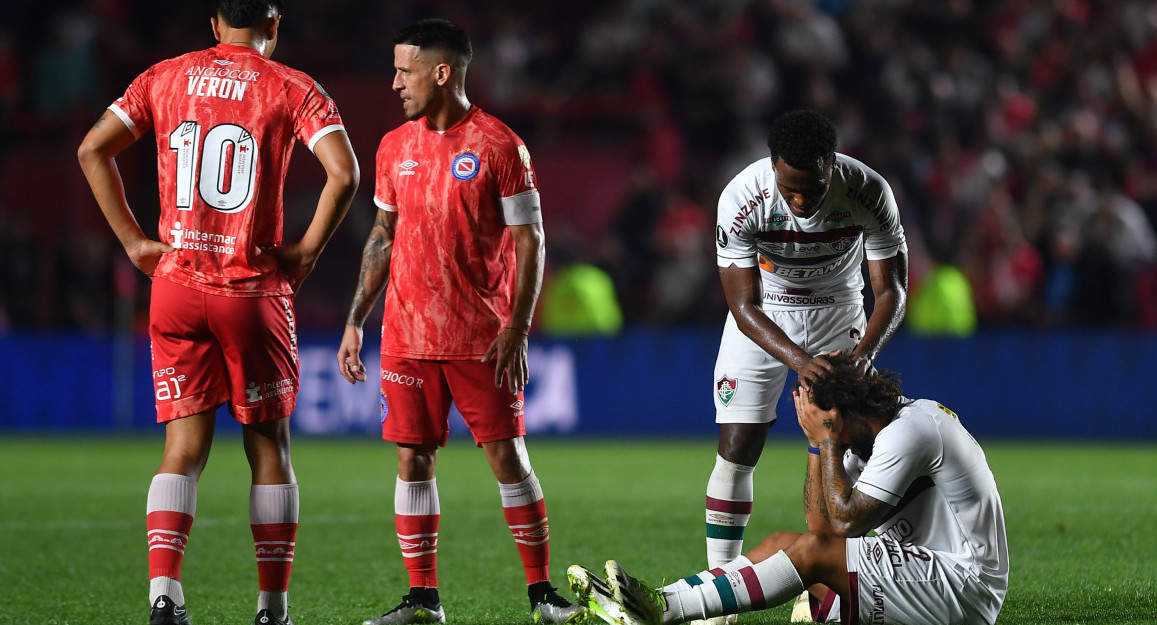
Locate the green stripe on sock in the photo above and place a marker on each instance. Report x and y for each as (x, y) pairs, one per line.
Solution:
(726, 532)
(694, 580)
(726, 594)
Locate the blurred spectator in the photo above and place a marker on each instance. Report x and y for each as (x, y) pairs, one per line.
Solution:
(992, 118)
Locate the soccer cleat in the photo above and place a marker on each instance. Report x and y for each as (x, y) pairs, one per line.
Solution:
(265, 617)
(640, 603)
(165, 612)
(595, 593)
(410, 612)
(549, 607)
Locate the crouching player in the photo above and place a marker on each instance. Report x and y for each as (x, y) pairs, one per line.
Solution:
(905, 468)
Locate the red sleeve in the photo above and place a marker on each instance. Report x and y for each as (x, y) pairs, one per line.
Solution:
(134, 108)
(317, 116)
(384, 194)
(514, 172)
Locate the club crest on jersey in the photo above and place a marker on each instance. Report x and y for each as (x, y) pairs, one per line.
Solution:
(465, 166)
(725, 387)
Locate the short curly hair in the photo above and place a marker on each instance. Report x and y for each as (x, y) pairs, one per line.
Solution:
(847, 389)
(802, 138)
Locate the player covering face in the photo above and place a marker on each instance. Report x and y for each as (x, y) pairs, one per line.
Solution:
(222, 322)
(793, 232)
(907, 470)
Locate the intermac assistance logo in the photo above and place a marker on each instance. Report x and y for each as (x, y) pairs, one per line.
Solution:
(725, 387)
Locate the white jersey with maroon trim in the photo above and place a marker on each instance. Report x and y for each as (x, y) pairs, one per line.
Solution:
(814, 262)
(927, 465)
(225, 120)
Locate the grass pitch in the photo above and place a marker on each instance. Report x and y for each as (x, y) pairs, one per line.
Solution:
(1082, 521)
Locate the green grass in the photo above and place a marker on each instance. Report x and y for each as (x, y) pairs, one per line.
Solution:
(1082, 523)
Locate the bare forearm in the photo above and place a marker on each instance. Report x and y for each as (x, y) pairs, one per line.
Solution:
(332, 207)
(530, 249)
(758, 327)
(890, 292)
(108, 188)
(835, 489)
(886, 318)
(814, 504)
(342, 177)
(372, 278)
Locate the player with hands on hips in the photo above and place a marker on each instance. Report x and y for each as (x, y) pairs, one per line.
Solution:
(221, 313)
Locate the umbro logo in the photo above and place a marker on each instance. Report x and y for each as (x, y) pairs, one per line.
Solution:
(222, 62)
(408, 167)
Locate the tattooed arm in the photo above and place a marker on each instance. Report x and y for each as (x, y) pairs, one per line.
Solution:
(375, 273)
(850, 512)
(815, 507)
(828, 494)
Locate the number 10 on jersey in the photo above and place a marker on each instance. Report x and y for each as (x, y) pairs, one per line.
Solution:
(222, 166)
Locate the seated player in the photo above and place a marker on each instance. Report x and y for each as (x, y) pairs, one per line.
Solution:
(905, 468)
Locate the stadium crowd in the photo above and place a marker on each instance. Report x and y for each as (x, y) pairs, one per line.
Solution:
(1020, 138)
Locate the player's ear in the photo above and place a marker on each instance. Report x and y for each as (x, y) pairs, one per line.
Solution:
(442, 73)
(216, 28)
(271, 28)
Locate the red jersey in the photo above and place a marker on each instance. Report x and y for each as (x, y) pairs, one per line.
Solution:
(225, 120)
(452, 270)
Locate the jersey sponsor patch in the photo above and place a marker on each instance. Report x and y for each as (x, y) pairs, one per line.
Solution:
(465, 166)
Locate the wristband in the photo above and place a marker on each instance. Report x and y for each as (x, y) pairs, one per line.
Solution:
(813, 450)
(522, 332)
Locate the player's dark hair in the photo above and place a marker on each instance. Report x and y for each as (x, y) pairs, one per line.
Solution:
(802, 138)
(437, 34)
(851, 391)
(247, 13)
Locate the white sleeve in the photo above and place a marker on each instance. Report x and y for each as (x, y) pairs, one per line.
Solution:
(884, 238)
(902, 452)
(736, 224)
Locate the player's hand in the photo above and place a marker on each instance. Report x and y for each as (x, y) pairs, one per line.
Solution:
(509, 354)
(349, 359)
(146, 253)
(813, 369)
(296, 262)
(817, 424)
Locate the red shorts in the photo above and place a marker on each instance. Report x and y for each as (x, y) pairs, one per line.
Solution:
(417, 395)
(211, 349)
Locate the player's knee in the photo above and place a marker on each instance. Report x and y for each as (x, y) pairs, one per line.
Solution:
(816, 554)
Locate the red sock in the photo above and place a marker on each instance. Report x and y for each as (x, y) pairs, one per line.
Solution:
(418, 538)
(168, 535)
(416, 518)
(525, 511)
(274, 544)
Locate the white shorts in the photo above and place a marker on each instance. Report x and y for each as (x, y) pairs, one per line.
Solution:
(892, 582)
(748, 380)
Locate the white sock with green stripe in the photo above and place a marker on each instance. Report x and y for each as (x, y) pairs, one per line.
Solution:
(729, 498)
(708, 575)
(744, 588)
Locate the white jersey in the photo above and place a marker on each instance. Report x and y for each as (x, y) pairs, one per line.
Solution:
(815, 262)
(933, 472)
